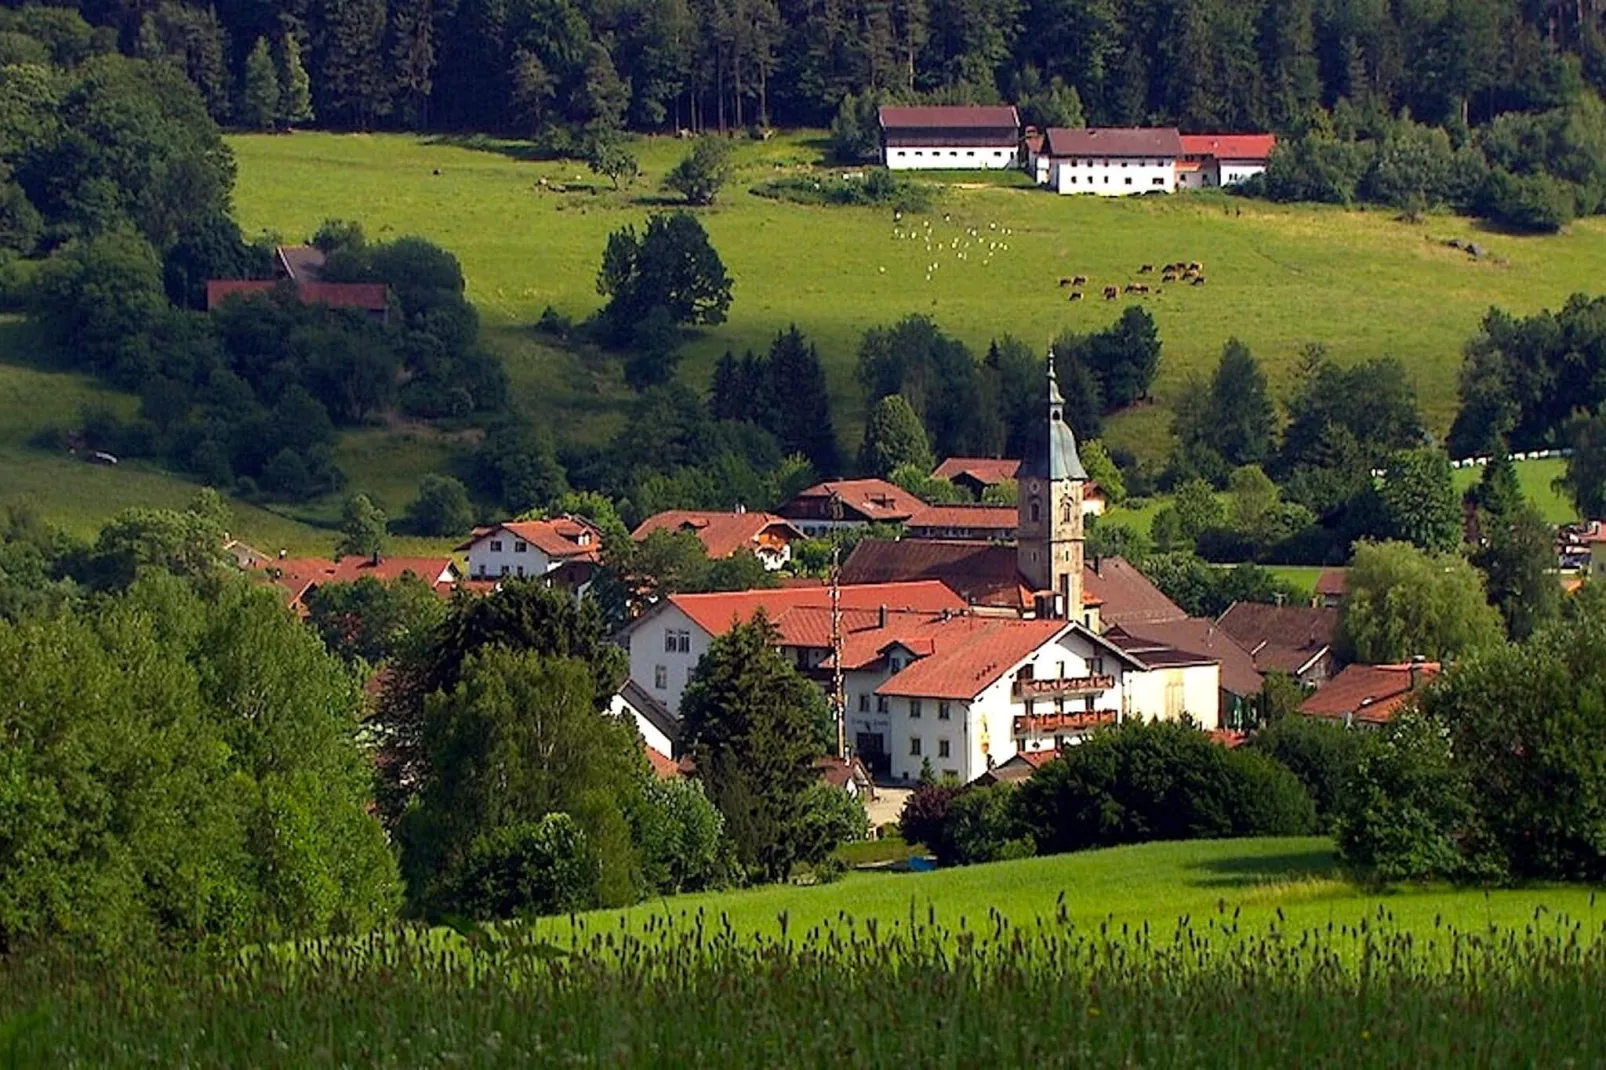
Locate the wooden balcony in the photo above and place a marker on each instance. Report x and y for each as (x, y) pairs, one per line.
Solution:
(1046, 724)
(1070, 687)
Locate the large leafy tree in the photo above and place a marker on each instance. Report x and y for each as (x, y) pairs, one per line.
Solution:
(520, 736)
(753, 726)
(1403, 602)
(1419, 503)
(183, 767)
(893, 438)
(703, 171)
(671, 266)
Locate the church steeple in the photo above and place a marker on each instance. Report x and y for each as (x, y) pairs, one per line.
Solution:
(1049, 550)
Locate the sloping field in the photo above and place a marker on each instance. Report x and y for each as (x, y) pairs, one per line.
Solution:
(1360, 282)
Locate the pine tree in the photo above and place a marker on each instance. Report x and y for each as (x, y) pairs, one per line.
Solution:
(295, 88)
(352, 84)
(259, 100)
(801, 412)
(412, 54)
(893, 437)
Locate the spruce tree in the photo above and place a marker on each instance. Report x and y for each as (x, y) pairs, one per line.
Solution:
(800, 405)
(893, 437)
(259, 100)
(295, 88)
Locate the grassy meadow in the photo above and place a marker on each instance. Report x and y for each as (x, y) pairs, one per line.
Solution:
(1361, 282)
(1196, 954)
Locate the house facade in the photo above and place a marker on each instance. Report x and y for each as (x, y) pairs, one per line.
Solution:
(1219, 160)
(527, 549)
(1112, 161)
(949, 137)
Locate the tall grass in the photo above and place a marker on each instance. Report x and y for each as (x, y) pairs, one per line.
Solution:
(924, 991)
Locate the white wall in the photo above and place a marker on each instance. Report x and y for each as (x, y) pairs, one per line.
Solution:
(485, 563)
(649, 731)
(1235, 171)
(648, 656)
(1167, 694)
(949, 158)
(1114, 177)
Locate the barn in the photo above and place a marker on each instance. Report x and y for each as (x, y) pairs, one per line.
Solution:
(950, 137)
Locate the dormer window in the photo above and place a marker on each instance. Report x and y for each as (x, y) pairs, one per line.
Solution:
(584, 539)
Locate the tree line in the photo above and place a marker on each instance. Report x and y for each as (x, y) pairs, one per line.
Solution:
(728, 64)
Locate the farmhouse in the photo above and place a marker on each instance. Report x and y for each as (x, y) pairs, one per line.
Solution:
(370, 298)
(1213, 160)
(949, 137)
(849, 503)
(530, 548)
(765, 535)
(1297, 640)
(299, 577)
(1368, 696)
(963, 522)
(977, 474)
(1112, 161)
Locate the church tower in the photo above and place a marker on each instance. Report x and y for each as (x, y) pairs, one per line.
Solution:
(1048, 548)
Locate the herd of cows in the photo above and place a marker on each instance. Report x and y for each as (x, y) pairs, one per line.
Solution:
(1185, 272)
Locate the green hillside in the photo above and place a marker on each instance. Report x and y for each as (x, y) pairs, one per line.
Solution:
(1361, 282)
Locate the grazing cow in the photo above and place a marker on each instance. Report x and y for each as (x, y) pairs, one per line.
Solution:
(1146, 269)
(1169, 276)
(1064, 283)
(1199, 280)
(1195, 266)
(1076, 295)
(1111, 293)
(1080, 280)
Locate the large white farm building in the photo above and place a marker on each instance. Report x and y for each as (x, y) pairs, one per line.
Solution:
(950, 138)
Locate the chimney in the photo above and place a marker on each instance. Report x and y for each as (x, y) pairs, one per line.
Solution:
(375, 559)
(1418, 665)
(1098, 565)
(881, 616)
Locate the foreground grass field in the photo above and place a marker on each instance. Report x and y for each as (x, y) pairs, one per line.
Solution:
(1361, 282)
(1164, 955)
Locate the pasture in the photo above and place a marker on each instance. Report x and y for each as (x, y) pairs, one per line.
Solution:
(1360, 282)
(1202, 954)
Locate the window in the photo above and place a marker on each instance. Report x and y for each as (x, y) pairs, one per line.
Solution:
(955, 152)
(521, 572)
(677, 640)
(685, 642)
(1061, 675)
(669, 640)
(1087, 704)
(1159, 181)
(660, 677)
(1106, 180)
(520, 546)
(689, 670)
(919, 153)
(1037, 511)
(1073, 180)
(914, 746)
(914, 708)
(1129, 181)
(942, 748)
(942, 711)
(896, 662)
(584, 539)
(881, 704)
(506, 569)
(1067, 511)
(496, 546)
(864, 703)
(972, 153)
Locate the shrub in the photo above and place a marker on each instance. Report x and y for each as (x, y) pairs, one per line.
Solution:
(828, 817)
(540, 867)
(981, 827)
(1324, 756)
(1156, 781)
(925, 814)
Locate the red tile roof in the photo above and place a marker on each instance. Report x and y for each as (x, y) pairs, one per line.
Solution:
(986, 470)
(1163, 142)
(837, 772)
(365, 296)
(949, 117)
(299, 575)
(1281, 638)
(721, 534)
(999, 519)
(559, 536)
(874, 499)
(1155, 653)
(1371, 693)
(716, 613)
(1333, 582)
(969, 654)
(1229, 146)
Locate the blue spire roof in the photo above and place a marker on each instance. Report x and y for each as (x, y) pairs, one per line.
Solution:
(1056, 457)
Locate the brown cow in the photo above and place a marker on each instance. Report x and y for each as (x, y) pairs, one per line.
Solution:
(1146, 269)
(1080, 280)
(1169, 276)
(1199, 280)
(1195, 266)
(1064, 283)
(1111, 293)
(1076, 295)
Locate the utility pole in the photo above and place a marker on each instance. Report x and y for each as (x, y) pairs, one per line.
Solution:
(839, 698)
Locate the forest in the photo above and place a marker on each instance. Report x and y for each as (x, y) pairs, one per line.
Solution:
(552, 67)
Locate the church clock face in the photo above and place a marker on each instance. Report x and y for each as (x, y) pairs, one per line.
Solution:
(1033, 487)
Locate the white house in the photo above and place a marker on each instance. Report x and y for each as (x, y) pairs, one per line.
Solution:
(531, 548)
(1112, 161)
(659, 729)
(667, 641)
(949, 137)
(1210, 160)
